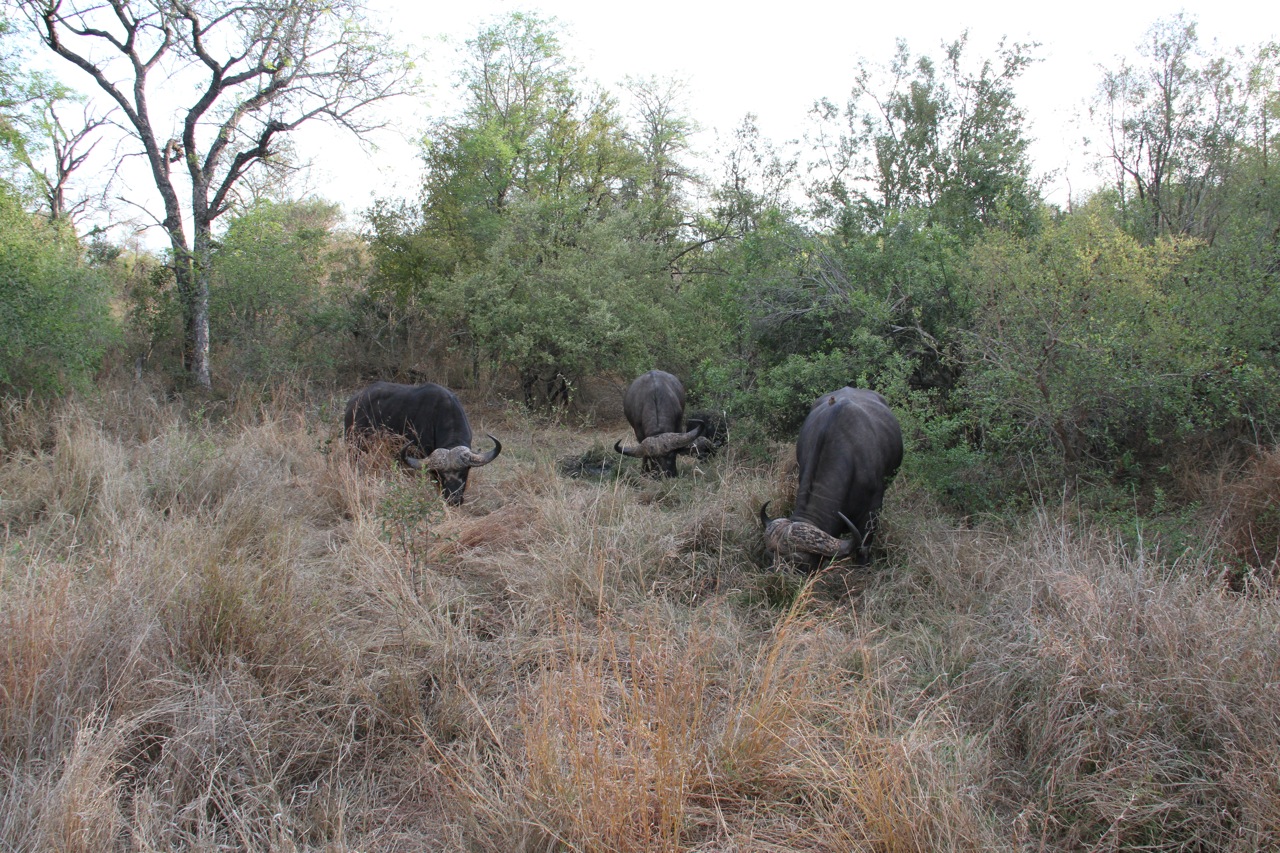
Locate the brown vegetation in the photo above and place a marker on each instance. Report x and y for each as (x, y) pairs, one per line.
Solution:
(220, 629)
(1248, 506)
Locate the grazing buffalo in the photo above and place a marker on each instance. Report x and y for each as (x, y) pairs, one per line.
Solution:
(654, 406)
(432, 422)
(849, 447)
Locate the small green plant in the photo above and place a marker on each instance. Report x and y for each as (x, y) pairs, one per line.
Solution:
(408, 513)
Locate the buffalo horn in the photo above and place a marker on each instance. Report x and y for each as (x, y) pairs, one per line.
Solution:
(629, 450)
(777, 536)
(659, 445)
(857, 534)
(805, 537)
(475, 460)
(455, 458)
(783, 536)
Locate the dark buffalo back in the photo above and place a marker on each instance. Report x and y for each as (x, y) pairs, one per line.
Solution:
(428, 417)
(848, 448)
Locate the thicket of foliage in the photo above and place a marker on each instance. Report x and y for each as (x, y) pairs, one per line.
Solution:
(562, 234)
(55, 309)
(283, 285)
(546, 238)
(552, 241)
(55, 319)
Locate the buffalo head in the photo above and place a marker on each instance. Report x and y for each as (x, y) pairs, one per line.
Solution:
(808, 543)
(450, 466)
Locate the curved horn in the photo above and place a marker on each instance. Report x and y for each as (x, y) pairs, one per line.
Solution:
(784, 536)
(690, 436)
(668, 442)
(630, 450)
(455, 458)
(857, 534)
(764, 514)
(777, 536)
(805, 537)
(475, 460)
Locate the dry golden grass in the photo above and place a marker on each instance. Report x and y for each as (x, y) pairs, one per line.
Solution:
(219, 629)
(1248, 507)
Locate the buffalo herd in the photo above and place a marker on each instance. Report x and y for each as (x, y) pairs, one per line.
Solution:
(848, 450)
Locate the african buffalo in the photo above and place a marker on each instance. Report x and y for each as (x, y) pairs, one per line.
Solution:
(849, 447)
(432, 422)
(654, 406)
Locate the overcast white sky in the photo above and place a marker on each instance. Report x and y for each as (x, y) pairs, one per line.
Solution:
(775, 59)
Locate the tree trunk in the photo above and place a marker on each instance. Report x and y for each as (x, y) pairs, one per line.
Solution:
(198, 308)
(190, 271)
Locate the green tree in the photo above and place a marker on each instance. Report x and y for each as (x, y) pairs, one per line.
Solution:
(1174, 125)
(534, 181)
(933, 135)
(925, 156)
(527, 130)
(557, 312)
(252, 72)
(661, 136)
(13, 92)
(274, 305)
(55, 310)
(1078, 342)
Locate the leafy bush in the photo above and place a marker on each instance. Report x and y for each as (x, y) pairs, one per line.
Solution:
(555, 310)
(55, 310)
(1076, 345)
(277, 304)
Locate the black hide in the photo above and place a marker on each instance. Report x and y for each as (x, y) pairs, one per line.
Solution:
(849, 447)
(427, 416)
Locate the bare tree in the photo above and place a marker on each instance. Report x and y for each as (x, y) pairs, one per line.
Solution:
(209, 86)
(68, 145)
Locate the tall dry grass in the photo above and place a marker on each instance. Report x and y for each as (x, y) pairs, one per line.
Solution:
(219, 629)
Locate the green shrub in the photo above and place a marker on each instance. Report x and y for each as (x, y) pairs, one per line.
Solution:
(55, 310)
(277, 305)
(1076, 346)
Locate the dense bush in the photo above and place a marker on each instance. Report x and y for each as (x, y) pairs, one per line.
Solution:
(281, 301)
(1088, 342)
(55, 310)
(555, 312)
